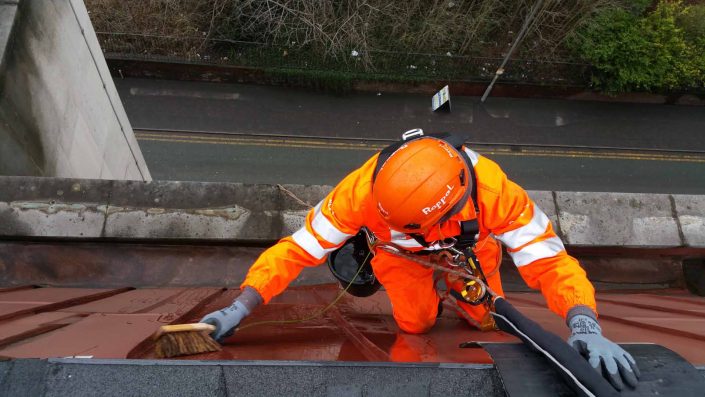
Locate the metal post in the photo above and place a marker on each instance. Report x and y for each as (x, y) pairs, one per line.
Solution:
(520, 36)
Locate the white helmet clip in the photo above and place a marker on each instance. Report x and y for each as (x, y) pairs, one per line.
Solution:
(411, 134)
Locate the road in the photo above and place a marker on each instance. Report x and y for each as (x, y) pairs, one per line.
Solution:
(257, 134)
(251, 159)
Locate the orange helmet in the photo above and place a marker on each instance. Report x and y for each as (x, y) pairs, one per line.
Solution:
(420, 182)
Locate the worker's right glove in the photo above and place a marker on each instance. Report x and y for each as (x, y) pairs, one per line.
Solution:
(607, 357)
(225, 320)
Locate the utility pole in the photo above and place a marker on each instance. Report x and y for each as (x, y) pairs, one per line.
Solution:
(520, 36)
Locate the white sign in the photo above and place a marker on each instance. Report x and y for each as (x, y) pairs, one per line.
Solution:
(441, 101)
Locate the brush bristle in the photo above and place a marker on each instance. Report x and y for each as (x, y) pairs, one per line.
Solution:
(184, 343)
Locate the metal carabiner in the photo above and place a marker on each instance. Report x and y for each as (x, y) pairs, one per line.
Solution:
(370, 237)
(446, 243)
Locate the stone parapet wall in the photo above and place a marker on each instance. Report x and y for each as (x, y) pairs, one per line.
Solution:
(80, 208)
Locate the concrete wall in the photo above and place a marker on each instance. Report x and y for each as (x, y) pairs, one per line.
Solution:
(52, 207)
(618, 238)
(60, 114)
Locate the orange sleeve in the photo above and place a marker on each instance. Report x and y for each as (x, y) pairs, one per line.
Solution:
(328, 225)
(525, 230)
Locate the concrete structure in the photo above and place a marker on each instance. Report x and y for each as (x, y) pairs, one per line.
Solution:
(53, 207)
(57, 377)
(60, 114)
(609, 232)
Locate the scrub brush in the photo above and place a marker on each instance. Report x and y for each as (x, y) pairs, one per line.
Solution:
(184, 339)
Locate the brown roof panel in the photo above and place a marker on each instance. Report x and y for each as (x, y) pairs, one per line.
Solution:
(29, 326)
(10, 309)
(47, 295)
(355, 329)
(149, 308)
(36, 300)
(17, 288)
(170, 303)
(98, 336)
(135, 301)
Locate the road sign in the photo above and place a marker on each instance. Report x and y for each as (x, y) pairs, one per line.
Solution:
(441, 101)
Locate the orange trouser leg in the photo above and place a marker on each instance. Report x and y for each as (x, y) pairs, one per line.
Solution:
(489, 253)
(411, 290)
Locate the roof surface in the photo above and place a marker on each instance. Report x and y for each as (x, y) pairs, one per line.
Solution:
(117, 323)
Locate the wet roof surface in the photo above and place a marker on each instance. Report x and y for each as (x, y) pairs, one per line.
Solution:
(117, 323)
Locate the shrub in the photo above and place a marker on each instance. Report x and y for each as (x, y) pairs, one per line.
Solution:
(692, 20)
(634, 52)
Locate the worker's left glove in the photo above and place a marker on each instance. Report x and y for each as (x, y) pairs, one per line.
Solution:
(607, 357)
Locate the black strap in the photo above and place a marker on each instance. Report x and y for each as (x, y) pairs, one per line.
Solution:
(468, 233)
(419, 239)
(468, 229)
(473, 177)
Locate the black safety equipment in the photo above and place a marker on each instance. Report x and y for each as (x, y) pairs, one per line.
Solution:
(578, 374)
(345, 263)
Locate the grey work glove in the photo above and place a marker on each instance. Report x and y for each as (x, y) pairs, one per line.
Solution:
(225, 320)
(607, 357)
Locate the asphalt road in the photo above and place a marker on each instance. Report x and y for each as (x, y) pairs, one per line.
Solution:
(215, 132)
(227, 158)
(179, 105)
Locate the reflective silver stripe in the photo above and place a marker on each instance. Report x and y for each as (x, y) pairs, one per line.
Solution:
(403, 240)
(474, 157)
(434, 247)
(396, 235)
(535, 228)
(325, 228)
(308, 242)
(533, 252)
(407, 243)
(411, 243)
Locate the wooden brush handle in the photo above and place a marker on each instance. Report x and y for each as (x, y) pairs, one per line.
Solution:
(195, 327)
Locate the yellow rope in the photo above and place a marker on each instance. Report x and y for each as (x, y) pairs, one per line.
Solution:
(321, 312)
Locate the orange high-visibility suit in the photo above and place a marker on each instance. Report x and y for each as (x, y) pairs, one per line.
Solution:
(506, 214)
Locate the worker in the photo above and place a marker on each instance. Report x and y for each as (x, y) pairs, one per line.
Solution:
(417, 194)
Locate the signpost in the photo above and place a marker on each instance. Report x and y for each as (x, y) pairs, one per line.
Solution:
(441, 101)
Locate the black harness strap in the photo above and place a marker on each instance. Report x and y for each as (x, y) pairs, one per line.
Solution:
(419, 239)
(468, 229)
